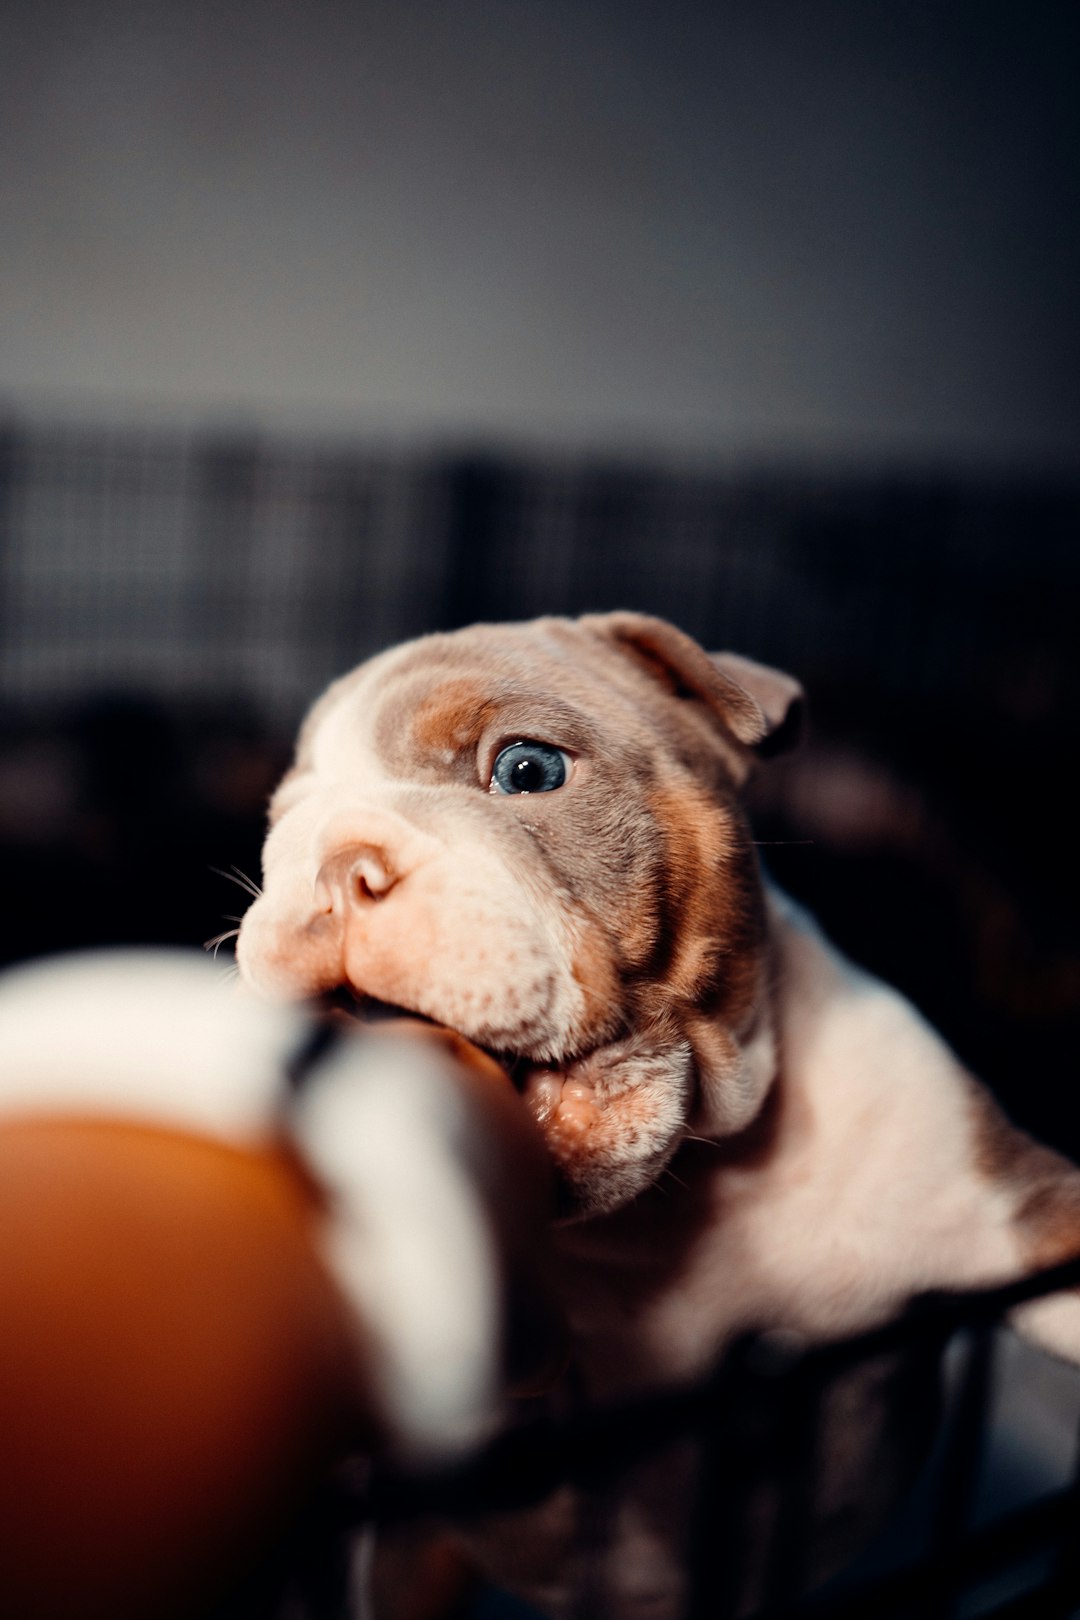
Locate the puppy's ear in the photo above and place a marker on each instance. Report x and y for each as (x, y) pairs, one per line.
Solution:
(759, 707)
(778, 695)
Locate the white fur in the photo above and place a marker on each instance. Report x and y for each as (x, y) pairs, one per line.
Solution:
(446, 944)
(870, 1193)
(409, 1238)
(151, 1035)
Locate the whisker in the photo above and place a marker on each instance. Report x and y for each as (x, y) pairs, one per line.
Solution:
(778, 843)
(215, 944)
(256, 888)
(241, 879)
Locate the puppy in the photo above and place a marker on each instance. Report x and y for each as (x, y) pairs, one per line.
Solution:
(533, 833)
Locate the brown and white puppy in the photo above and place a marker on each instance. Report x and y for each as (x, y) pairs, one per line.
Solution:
(527, 833)
(533, 833)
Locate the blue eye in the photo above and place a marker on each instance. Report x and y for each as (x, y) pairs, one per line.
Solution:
(529, 767)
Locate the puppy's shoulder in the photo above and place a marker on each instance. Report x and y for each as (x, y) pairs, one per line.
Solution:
(888, 1111)
(841, 1026)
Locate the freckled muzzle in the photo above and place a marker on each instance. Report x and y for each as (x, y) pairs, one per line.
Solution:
(449, 921)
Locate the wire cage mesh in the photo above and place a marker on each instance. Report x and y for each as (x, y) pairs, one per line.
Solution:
(216, 563)
(965, 1537)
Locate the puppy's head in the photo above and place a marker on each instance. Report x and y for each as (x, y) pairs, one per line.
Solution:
(532, 833)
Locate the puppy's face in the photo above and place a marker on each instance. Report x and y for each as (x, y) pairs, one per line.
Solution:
(531, 833)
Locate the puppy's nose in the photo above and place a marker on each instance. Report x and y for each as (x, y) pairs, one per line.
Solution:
(361, 873)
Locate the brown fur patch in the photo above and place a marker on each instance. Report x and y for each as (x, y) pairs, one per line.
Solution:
(1045, 1188)
(425, 728)
(452, 717)
(697, 911)
(712, 922)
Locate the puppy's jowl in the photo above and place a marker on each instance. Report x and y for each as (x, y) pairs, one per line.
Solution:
(533, 834)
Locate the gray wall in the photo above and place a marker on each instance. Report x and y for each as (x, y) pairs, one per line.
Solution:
(845, 228)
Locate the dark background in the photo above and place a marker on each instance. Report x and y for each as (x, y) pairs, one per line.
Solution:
(325, 324)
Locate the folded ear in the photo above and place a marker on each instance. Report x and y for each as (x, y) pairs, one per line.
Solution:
(759, 707)
(778, 695)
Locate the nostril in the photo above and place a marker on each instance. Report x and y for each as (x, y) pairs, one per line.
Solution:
(372, 874)
(362, 872)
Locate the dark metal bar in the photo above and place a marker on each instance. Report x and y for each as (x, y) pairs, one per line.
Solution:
(796, 1474)
(965, 1436)
(478, 492)
(942, 1314)
(714, 1565)
(1062, 1590)
(531, 1460)
(734, 1435)
(226, 536)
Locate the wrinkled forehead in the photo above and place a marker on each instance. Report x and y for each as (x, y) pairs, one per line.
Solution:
(442, 693)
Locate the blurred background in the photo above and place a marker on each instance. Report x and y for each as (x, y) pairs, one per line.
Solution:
(326, 323)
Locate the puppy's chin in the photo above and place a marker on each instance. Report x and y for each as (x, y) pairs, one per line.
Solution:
(593, 1190)
(613, 1120)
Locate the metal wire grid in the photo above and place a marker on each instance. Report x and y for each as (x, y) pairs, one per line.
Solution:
(199, 565)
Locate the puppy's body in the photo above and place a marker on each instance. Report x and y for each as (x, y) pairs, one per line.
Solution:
(865, 1181)
(751, 1132)
(859, 1185)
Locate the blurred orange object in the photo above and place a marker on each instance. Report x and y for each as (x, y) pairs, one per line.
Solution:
(238, 1244)
(176, 1366)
